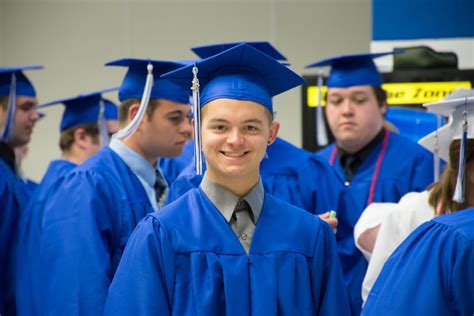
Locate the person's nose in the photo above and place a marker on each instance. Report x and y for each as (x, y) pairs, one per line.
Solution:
(347, 108)
(187, 128)
(235, 138)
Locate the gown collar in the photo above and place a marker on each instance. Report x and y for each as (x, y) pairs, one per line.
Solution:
(225, 201)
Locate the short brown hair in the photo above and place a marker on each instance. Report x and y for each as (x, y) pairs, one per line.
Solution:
(67, 136)
(380, 95)
(124, 109)
(3, 102)
(441, 192)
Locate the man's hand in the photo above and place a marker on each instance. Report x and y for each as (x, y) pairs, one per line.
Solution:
(331, 219)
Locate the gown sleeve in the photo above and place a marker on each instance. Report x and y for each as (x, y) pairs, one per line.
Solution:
(143, 282)
(329, 292)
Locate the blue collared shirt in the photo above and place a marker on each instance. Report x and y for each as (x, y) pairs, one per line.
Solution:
(144, 171)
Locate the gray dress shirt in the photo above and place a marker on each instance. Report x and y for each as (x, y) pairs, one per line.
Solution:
(226, 202)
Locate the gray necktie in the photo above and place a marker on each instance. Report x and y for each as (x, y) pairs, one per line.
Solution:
(242, 223)
(161, 189)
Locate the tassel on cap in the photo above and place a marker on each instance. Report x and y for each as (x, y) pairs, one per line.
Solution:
(321, 132)
(133, 125)
(101, 122)
(197, 122)
(436, 157)
(9, 121)
(460, 185)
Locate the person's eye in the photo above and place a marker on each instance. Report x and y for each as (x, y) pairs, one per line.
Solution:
(334, 101)
(251, 128)
(26, 107)
(219, 128)
(360, 100)
(176, 119)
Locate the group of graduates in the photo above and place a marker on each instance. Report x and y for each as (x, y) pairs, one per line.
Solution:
(183, 200)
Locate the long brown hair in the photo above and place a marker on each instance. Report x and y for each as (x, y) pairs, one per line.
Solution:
(441, 192)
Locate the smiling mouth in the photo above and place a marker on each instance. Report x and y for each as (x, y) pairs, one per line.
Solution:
(234, 154)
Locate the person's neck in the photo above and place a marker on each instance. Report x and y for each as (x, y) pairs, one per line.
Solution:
(133, 143)
(74, 156)
(240, 186)
(352, 148)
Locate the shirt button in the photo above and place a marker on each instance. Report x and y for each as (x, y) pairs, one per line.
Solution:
(243, 236)
(347, 183)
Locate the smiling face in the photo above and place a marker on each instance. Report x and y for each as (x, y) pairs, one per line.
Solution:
(235, 136)
(354, 116)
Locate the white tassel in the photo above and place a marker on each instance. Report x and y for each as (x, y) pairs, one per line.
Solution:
(9, 122)
(197, 122)
(133, 125)
(321, 133)
(459, 191)
(436, 149)
(101, 122)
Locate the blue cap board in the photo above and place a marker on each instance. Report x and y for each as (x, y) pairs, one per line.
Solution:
(353, 70)
(241, 73)
(211, 50)
(85, 108)
(23, 85)
(133, 84)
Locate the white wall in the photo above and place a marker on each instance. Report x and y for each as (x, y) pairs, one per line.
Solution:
(74, 38)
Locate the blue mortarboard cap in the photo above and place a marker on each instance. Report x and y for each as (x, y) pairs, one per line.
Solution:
(241, 73)
(85, 108)
(23, 85)
(211, 50)
(111, 110)
(353, 70)
(134, 82)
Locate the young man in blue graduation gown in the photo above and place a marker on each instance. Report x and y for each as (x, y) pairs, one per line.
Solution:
(375, 164)
(18, 115)
(288, 172)
(95, 207)
(228, 247)
(85, 126)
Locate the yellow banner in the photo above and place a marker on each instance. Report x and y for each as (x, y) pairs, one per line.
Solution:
(405, 93)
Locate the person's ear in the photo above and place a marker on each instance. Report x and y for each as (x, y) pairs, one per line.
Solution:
(80, 137)
(384, 108)
(132, 112)
(274, 128)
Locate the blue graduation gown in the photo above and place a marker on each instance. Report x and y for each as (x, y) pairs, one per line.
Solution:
(172, 167)
(30, 186)
(406, 167)
(29, 232)
(289, 173)
(186, 260)
(431, 272)
(10, 202)
(86, 225)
